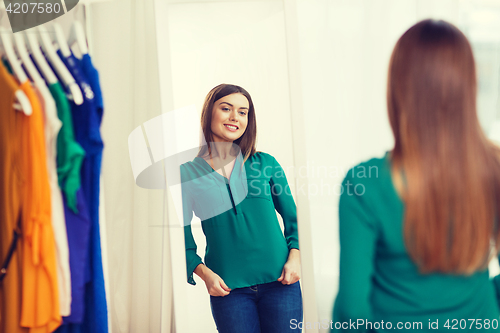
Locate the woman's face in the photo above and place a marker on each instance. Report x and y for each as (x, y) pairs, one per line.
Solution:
(229, 117)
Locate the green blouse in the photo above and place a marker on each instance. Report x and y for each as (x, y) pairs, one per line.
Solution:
(70, 154)
(245, 244)
(378, 280)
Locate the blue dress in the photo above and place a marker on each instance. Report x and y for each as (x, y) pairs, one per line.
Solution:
(69, 158)
(87, 120)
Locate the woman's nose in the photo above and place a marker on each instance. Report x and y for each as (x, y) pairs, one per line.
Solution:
(233, 116)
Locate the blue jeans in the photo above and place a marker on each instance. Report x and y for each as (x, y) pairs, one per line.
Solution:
(263, 308)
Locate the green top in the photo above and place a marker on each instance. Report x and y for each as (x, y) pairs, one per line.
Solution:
(245, 244)
(378, 280)
(69, 153)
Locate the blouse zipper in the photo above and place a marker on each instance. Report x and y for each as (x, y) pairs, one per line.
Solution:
(232, 200)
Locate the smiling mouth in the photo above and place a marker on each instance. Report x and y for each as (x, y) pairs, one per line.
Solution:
(231, 127)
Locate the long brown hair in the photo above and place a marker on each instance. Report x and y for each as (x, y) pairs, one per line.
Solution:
(247, 141)
(450, 170)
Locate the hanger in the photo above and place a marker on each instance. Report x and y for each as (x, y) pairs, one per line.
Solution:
(32, 70)
(77, 34)
(20, 45)
(11, 56)
(59, 66)
(40, 60)
(8, 49)
(60, 39)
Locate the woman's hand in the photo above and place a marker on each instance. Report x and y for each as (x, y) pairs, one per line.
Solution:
(214, 283)
(291, 271)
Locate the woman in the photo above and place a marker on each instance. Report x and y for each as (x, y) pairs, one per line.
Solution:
(418, 230)
(251, 270)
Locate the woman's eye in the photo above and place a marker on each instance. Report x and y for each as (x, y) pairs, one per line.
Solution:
(225, 109)
(243, 113)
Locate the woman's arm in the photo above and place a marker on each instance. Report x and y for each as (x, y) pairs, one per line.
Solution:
(291, 271)
(214, 283)
(358, 236)
(192, 258)
(284, 203)
(285, 206)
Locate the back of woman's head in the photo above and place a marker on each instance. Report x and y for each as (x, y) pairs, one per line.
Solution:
(450, 170)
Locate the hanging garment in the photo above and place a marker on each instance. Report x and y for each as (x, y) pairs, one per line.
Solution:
(78, 227)
(51, 129)
(52, 125)
(92, 75)
(70, 157)
(86, 120)
(69, 153)
(69, 160)
(98, 297)
(40, 297)
(11, 182)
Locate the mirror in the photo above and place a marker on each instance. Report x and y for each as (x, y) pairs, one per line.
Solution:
(331, 59)
(201, 45)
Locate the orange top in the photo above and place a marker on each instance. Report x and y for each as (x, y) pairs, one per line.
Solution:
(10, 204)
(40, 299)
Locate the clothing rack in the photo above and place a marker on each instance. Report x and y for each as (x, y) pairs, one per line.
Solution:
(82, 5)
